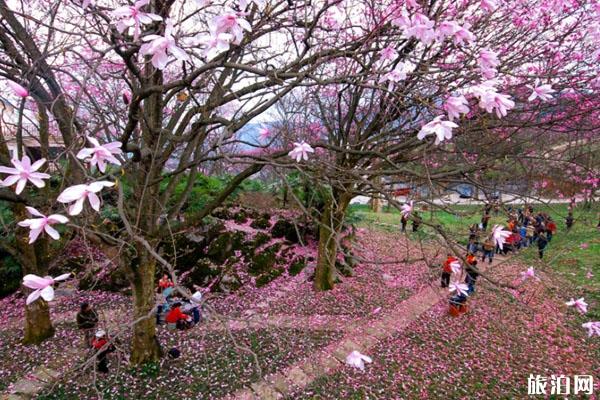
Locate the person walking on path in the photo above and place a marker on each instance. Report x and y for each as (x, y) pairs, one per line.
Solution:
(488, 250)
(87, 320)
(485, 220)
(550, 229)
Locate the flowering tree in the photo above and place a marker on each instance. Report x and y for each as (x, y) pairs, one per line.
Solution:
(132, 90)
(449, 91)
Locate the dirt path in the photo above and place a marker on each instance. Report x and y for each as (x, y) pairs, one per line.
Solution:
(361, 336)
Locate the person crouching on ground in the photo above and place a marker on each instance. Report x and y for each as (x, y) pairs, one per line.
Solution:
(177, 318)
(87, 320)
(100, 343)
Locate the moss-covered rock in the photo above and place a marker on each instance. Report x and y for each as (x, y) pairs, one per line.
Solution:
(297, 266)
(265, 260)
(240, 217)
(267, 277)
(221, 248)
(285, 229)
(261, 223)
(222, 213)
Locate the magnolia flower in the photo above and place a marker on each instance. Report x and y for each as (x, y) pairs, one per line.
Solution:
(459, 34)
(396, 75)
(406, 209)
(158, 47)
(593, 328)
(231, 23)
(389, 53)
(43, 223)
(357, 360)
(100, 154)
(131, 16)
(501, 103)
(589, 274)
(215, 44)
(376, 311)
(455, 106)
(584, 246)
(459, 288)
(442, 129)
(79, 193)
(421, 28)
(579, 304)
(42, 286)
(301, 151)
(488, 59)
(18, 89)
(455, 266)
(22, 172)
(264, 133)
(543, 92)
(499, 235)
(530, 273)
(488, 5)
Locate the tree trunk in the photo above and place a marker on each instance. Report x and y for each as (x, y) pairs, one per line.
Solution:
(144, 345)
(34, 260)
(38, 326)
(332, 221)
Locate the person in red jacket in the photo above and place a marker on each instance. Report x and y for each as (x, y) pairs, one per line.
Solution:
(550, 228)
(447, 270)
(175, 316)
(100, 343)
(164, 282)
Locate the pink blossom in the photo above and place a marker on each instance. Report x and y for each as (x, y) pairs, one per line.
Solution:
(100, 154)
(230, 23)
(499, 235)
(264, 133)
(589, 275)
(389, 53)
(215, 44)
(79, 193)
(18, 89)
(43, 286)
(456, 105)
(421, 28)
(530, 273)
(459, 288)
(396, 75)
(442, 129)
(22, 172)
(593, 328)
(301, 151)
(43, 223)
(456, 267)
(357, 360)
(543, 92)
(131, 16)
(488, 61)
(407, 209)
(459, 34)
(579, 304)
(501, 103)
(159, 46)
(488, 5)
(584, 246)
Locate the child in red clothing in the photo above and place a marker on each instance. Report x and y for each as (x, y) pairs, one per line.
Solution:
(447, 270)
(100, 343)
